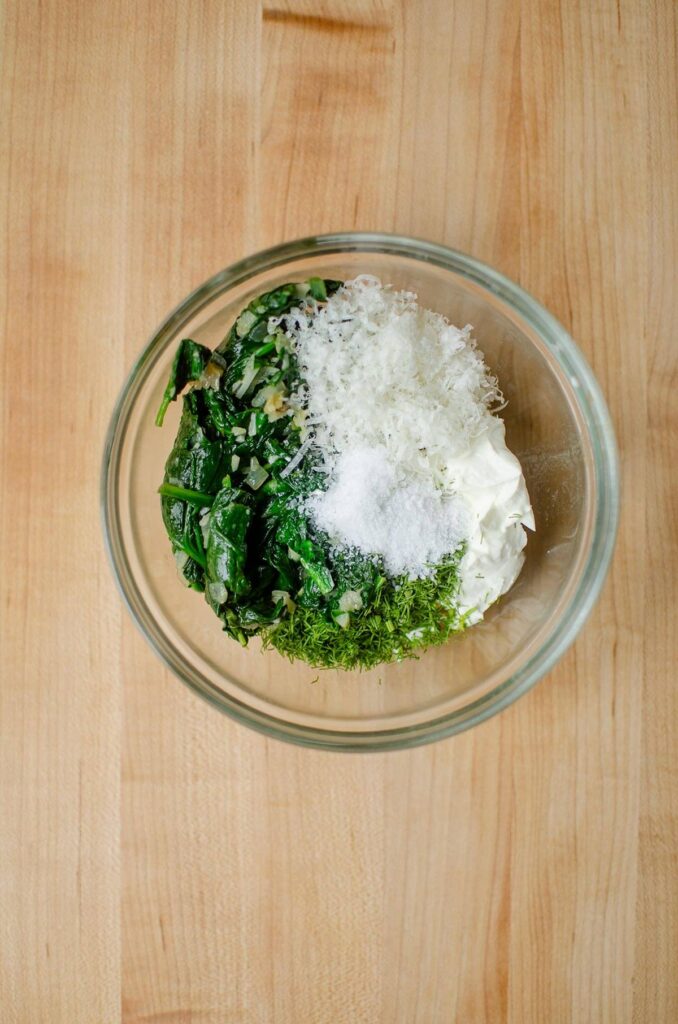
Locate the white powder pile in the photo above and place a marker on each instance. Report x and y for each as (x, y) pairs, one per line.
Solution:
(410, 524)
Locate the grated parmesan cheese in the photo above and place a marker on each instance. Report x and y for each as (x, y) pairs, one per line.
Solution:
(379, 370)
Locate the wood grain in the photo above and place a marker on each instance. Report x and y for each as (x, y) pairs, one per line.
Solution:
(159, 863)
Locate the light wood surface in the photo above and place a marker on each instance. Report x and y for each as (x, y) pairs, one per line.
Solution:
(159, 863)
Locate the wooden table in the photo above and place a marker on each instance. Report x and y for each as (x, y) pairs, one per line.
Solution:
(159, 863)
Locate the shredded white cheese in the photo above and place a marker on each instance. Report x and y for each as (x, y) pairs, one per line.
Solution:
(380, 370)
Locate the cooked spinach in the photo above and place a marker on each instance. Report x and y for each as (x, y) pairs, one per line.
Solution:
(192, 476)
(235, 518)
(229, 521)
(189, 364)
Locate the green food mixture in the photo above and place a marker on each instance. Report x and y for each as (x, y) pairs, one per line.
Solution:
(236, 521)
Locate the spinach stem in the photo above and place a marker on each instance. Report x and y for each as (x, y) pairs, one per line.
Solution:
(185, 494)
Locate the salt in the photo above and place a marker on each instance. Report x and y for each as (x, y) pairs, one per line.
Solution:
(406, 521)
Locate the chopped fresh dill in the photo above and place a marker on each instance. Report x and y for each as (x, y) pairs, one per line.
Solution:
(402, 617)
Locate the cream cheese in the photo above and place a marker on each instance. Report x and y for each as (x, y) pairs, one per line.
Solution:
(489, 480)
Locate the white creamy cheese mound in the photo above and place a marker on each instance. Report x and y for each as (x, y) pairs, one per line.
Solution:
(490, 480)
(399, 406)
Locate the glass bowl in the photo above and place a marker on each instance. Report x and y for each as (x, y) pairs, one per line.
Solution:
(556, 423)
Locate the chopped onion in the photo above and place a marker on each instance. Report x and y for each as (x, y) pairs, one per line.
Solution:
(245, 323)
(262, 395)
(252, 426)
(235, 462)
(266, 392)
(249, 376)
(256, 474)
(282, 344)
(350, 601)
(205, 527)
(275, 406)
(211, 375)
(217, 591)
(282, 595)
(342, 619)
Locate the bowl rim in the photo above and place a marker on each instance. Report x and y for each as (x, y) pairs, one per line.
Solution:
(591, 406)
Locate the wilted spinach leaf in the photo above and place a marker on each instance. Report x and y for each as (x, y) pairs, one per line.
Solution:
(190, 361)
(229, 521)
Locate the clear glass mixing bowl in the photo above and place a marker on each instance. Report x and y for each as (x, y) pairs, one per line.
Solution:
(557, 424)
